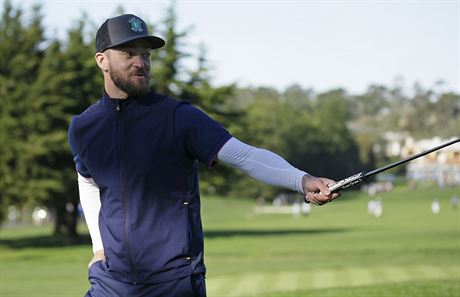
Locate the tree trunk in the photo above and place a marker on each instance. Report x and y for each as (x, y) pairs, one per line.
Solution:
(66, 220)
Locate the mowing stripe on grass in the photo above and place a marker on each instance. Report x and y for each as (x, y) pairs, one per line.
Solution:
(324, 278)
(220, 286)
(359, 276)
(398, 273)
(288, 279)
(438, 272)
(251, 284)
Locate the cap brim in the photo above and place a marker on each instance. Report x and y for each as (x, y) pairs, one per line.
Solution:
(155, 42)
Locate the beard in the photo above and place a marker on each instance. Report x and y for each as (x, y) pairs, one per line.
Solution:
(134, 88)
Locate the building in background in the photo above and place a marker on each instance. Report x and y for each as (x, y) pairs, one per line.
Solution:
(442, 166)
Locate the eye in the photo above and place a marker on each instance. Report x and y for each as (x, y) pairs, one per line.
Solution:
(128, 53)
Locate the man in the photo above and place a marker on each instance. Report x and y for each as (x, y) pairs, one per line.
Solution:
(136, 155)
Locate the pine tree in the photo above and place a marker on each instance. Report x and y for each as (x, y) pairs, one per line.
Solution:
(167, 62)
(171, 77)
(21, 53)
(77, 84)
(43, 84)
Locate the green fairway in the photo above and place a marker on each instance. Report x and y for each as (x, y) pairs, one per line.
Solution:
(338, 250)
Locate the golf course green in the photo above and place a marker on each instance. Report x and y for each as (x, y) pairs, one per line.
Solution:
(339, 249)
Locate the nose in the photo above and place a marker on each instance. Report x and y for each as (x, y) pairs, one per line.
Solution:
(140, 61)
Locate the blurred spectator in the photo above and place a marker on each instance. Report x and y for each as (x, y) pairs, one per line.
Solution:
(375, 208)
(454, 202)
(435, 206)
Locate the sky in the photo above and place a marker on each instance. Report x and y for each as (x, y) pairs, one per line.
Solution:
(316, 44)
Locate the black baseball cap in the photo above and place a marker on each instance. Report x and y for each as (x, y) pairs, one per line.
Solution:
(122, 29)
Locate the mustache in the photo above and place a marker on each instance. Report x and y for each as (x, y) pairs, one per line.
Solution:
(140, 72)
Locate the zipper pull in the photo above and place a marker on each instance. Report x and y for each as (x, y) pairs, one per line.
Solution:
(118, 105)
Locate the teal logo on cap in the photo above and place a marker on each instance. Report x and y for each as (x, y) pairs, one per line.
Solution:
(136, 25)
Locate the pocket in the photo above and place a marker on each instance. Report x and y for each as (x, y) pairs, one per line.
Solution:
(93, 265)
(198, 285)
(95, 273)
(183, 222)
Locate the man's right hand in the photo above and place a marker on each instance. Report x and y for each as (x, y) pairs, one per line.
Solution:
(98, 256)
(317, 189)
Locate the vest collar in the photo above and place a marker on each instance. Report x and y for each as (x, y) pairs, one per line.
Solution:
(121, 104)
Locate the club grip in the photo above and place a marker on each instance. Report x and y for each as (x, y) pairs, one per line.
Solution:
(347, 182)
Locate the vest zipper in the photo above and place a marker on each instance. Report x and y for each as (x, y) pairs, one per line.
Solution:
(123, 196)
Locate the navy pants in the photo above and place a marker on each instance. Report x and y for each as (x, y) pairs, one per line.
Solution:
(103, 285)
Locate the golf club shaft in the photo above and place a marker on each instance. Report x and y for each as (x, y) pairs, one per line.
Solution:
(384, 168)
(360, 177)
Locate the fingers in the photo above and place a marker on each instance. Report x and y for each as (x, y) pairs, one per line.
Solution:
(316, 184)
(327, 181)
(320, 199)
(318, 191)
(322, 195)
(321, 184)
(98, 256)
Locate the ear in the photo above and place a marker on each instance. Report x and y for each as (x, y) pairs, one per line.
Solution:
(102, 61)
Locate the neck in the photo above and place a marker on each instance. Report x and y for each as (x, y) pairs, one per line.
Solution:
(113, 91)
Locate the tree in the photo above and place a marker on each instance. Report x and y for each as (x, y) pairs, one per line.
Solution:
(309, 131)
(167, 66)
(171, 77)
(447, 109)
(336, 152)
(42, 87)
(56, 80)
(69, 83)
(263, 125)
(21, 51)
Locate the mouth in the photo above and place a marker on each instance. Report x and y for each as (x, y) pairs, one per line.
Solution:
(139, 75)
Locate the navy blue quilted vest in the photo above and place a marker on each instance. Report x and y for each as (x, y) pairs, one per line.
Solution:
(150, 219)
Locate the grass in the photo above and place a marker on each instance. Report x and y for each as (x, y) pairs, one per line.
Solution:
(339, 250)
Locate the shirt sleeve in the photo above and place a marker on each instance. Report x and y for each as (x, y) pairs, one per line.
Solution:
(79, 166)
(91, 203)
(262, 165)
(199, 135)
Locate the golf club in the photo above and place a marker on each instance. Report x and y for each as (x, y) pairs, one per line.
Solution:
(362, 176)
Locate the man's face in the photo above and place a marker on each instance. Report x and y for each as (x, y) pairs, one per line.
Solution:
(129, 67)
